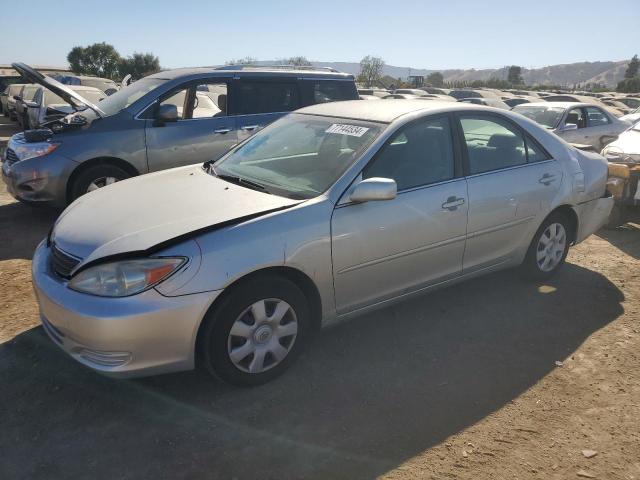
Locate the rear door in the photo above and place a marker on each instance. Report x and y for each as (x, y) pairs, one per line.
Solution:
(260, 101)
(204, 130)
(512, 181)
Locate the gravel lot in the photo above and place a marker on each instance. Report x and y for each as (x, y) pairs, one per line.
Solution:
(494, 378)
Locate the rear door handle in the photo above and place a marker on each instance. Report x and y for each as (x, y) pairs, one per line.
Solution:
(249, 128)
(452, 203)
(547, 178)
(222, 130)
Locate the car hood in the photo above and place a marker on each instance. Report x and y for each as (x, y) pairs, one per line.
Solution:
(147, 213)
(64, 92)
(628, 142)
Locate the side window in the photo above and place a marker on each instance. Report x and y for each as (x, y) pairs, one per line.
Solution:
(179, 100)
(333, 91)
(596, 117)
(492, 144)
(417, 155)
(576, 116)
(267, 97)
(210, 100)
(535, 153)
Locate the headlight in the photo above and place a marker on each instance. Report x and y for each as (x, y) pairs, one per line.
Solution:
(25, 151)
(128, 277)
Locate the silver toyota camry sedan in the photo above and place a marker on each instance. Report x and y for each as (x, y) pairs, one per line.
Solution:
(329, 212)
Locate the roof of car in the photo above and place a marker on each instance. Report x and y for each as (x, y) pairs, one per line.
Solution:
(557, 104)
(255, 71)
(384, 111)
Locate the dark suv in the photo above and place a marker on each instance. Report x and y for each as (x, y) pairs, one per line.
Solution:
(173, 118)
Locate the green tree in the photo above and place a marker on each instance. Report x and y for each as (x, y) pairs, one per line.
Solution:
(298, 61)
(370, 70)
(629, 85)
(632, 67)
(514, 76)
(99, 59)
(435, 79)
(242, 61)
(139, 65)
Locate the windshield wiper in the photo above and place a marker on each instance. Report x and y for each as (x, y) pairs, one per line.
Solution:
(237, 180)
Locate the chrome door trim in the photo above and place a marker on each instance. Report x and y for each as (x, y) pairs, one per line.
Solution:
(395, 256)
(511, 168)
(514, 223)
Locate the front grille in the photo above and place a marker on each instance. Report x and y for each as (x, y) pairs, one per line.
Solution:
(10, 156)
(62, 263)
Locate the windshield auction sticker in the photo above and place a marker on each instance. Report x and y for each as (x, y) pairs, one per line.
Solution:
(344, 129)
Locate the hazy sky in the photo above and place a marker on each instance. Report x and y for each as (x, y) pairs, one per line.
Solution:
(420, 34)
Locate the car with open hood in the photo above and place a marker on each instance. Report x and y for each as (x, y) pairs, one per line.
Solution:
(46, 107)
(329, 212)
(579, 123)
(169, 119)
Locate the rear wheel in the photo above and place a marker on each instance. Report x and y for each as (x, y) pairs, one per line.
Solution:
(548, 248)
(257, 331)
(96, 177)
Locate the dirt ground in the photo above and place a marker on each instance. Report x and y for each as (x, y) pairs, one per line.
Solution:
(494, 378)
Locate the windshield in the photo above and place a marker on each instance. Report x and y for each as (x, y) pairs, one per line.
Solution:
(548, 117)
(129, 94)
(299, 156)
(98, 83)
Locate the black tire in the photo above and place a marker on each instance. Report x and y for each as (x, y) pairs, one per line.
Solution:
(617, 217)
(215, 336)
(93, 174)
(530, 266)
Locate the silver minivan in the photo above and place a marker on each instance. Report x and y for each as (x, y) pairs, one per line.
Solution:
(170, 119)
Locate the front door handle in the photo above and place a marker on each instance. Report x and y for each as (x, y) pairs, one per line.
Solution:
(250, 128)
(546, 179)
(222, 130)
(452, 203)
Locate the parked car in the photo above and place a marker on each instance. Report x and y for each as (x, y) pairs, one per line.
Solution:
(377, 92)
(26, 95)
(624, 174)
(581, 123)
(575, 98)
(107, 85)
(4, 95)
(14, 90)
(488, 102)
(471, 93)
(513, 101)
(620, 107)
(158, 122)
(632, 117)
(401, 96)
(327, 213)
(630, 102)
(46, 106)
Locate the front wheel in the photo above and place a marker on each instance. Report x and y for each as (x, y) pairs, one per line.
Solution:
(548, 248)
(96, 177)
(256, 332)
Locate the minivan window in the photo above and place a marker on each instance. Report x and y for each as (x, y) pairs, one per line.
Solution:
(299, 156)
(267, 97)
(124, 97)
(333, 91)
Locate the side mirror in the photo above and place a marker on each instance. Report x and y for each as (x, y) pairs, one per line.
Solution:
(567, 127)
(373, 189)
(167, 113)
(17, 98)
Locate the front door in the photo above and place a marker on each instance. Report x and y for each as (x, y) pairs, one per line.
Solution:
(204, 130)
(384, 249)
(512, 181)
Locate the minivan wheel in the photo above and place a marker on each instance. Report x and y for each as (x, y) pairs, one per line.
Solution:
(96, 177)
(256, 332)
(548, 249)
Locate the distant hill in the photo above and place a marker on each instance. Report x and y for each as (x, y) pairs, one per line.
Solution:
(608, 73)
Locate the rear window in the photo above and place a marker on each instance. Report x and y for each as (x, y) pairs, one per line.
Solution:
(333, 91)
(267, 97)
